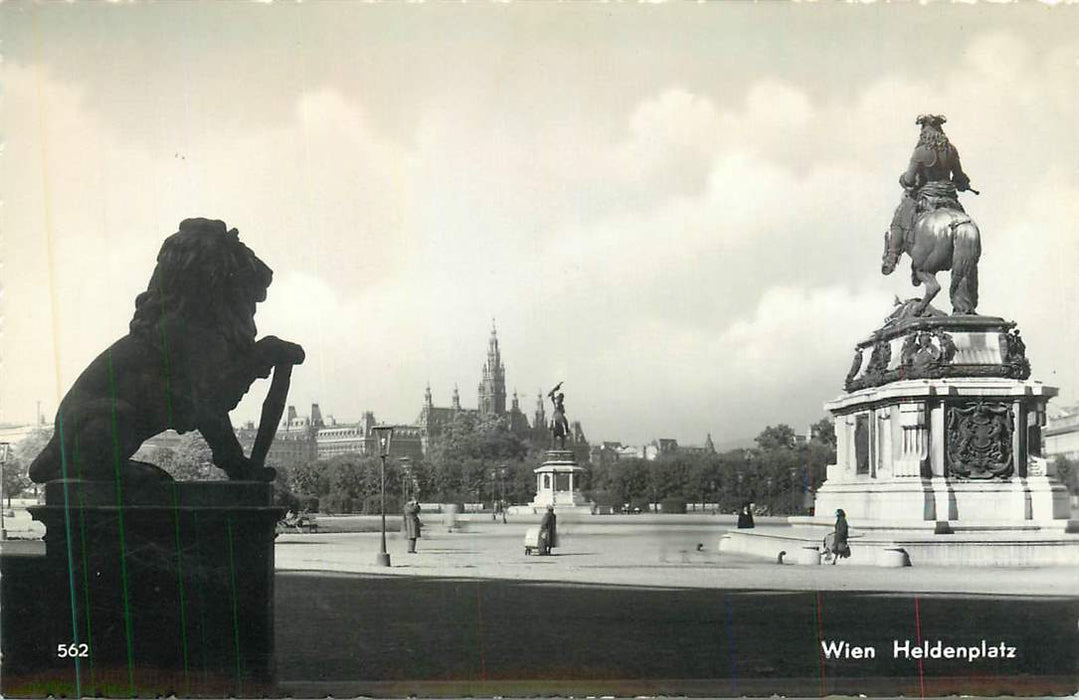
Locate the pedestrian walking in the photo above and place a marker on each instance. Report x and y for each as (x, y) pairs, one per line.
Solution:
(548, 531)
(839, 547)
(412, 524)
(745, 516)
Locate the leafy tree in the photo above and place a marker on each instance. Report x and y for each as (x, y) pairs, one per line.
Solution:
(190, 460)
(824, 431)
(773, 437)
(469, 448)
(27, 449)
(1068, 472)
(19, 458)
(307, 479)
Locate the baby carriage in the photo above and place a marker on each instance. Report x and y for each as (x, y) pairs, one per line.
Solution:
(831, 552)
(533, 541)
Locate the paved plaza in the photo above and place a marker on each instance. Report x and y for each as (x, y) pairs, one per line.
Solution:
(641, 550)
(630, 606)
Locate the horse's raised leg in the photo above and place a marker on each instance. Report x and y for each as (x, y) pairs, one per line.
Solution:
(932, 287)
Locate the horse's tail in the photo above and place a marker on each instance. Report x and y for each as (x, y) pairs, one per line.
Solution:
(966, 250)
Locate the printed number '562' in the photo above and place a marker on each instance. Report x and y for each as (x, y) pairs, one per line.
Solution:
(72, 650)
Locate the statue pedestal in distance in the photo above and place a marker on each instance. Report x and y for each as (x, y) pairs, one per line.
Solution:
(168, 584)
(939, 454)
(558, 482)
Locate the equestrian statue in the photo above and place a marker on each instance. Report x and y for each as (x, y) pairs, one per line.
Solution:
(559, 423)
(930, 224)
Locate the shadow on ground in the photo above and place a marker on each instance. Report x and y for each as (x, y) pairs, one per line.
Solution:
(350, 634)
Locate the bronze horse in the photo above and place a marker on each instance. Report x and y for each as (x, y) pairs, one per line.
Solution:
(943, 239)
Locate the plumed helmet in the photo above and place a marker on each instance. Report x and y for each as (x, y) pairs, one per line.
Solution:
(935, 120)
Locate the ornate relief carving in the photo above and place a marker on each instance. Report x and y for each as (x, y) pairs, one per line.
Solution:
(930, 354)
(979, 440)
(855, 367)
(1015, 355)
(876, 369)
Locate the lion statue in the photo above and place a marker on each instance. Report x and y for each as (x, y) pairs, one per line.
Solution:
(189, 357)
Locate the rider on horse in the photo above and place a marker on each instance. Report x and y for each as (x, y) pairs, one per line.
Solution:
(931, 181)
(559, 423)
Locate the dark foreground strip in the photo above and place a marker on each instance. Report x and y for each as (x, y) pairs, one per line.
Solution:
(356, 635)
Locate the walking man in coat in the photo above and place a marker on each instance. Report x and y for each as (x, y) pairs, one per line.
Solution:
(548, 531)
(412, 524)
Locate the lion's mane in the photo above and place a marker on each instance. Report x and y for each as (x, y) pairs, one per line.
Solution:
(206, 276)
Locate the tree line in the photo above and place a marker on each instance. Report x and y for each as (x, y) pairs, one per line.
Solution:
(479, 460)
(776, 475)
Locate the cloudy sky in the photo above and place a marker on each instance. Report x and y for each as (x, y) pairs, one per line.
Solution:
(677, 209)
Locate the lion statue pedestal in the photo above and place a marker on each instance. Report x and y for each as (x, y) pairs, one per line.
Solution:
(171, 589)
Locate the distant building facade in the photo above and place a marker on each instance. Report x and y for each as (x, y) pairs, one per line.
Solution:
(1060, 435)
(609, 452)
(491, 403)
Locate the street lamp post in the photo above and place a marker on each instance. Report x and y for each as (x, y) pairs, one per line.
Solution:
(5, 448)
(384, 434)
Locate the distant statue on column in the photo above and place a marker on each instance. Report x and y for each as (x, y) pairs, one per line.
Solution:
(559, 425)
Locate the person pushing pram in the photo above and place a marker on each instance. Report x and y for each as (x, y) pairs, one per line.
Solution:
(835, 542)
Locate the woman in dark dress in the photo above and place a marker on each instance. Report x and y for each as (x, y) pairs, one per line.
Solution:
(840, 548)
(548, 531)
(745, 515)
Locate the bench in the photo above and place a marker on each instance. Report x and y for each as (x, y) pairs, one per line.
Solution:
(302, 523)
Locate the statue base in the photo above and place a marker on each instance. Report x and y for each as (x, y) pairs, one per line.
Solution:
(558, 482)
(153, 589)
(963, 451)
(936, 472)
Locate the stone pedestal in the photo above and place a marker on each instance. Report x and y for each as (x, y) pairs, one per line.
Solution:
(940, 424)
(938, 454)
(959, 450)
(558, 482)
(169, 586)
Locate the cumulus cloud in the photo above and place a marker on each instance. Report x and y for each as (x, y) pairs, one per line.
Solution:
(690, 256)
(795, 332)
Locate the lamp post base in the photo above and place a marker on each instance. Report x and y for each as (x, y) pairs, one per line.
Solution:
(382, 559)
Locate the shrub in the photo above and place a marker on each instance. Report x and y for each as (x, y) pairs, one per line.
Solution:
(605, 498)
(372, 505)
(337, 504)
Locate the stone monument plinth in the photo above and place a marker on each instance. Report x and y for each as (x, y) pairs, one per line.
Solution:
(161, 587)
(938, 455)
(558, 482)
(940, 429)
